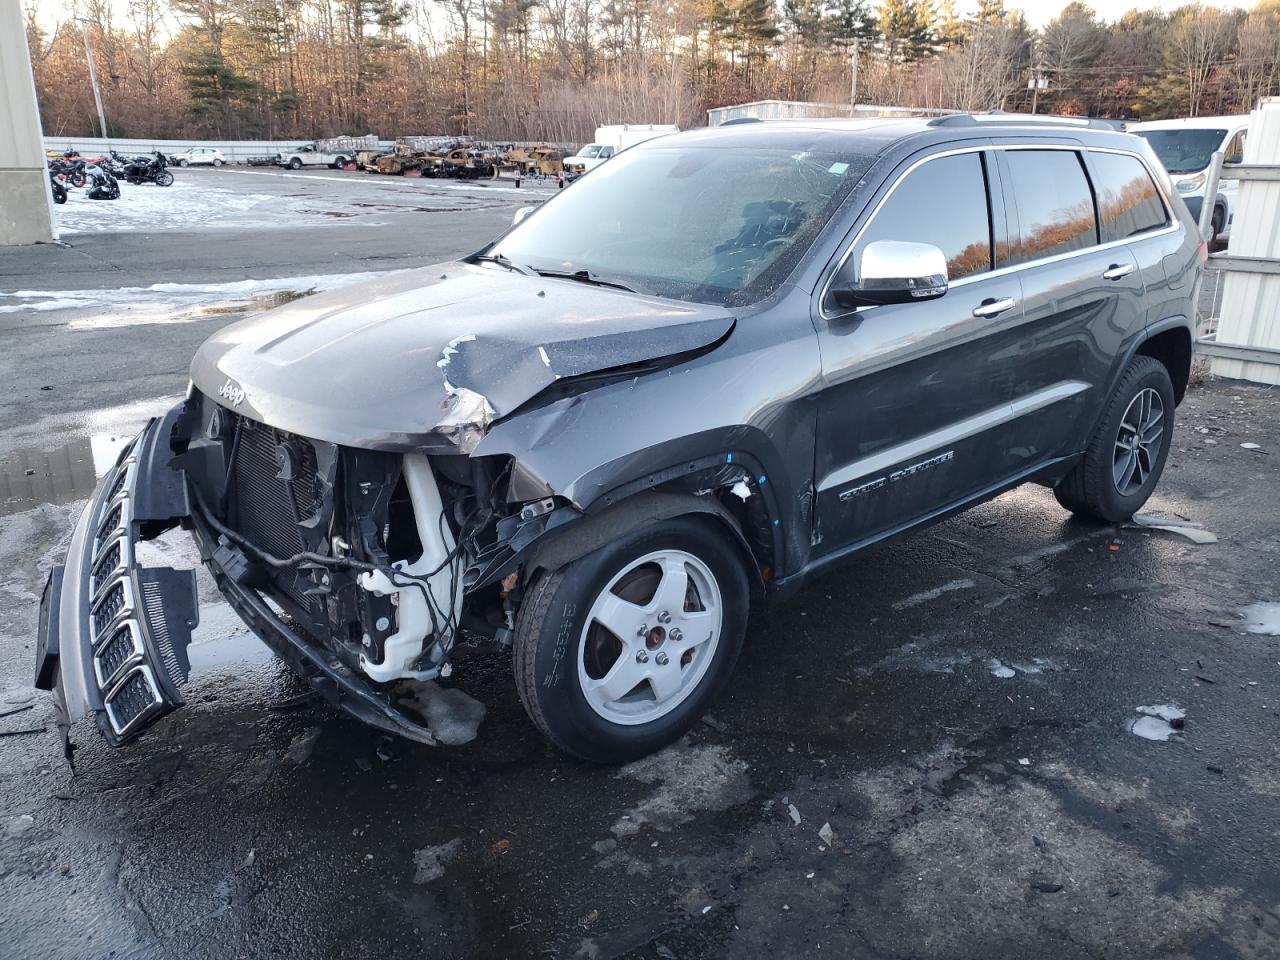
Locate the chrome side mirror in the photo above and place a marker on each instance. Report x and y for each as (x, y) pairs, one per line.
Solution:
(521, 214)
(893, 271)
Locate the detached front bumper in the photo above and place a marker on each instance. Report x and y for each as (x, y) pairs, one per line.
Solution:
(113, 633)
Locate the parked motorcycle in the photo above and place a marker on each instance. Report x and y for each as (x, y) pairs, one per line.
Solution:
(149, 169)
(102, 185)
(59, 191)
(71, 169)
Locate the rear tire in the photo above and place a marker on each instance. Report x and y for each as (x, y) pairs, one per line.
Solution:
(614, 694)
(1127, 453)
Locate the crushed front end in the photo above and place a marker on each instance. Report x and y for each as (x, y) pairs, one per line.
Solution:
(349, 563)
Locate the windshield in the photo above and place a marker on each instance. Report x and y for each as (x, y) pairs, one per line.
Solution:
(590, 150)
(720, 225)
(1183, 151)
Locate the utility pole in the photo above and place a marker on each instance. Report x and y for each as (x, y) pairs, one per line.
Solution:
(93, 77)
(853, 81)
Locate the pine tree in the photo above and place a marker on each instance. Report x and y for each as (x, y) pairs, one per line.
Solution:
(904, 30)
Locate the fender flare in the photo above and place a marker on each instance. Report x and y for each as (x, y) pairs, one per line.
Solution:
(1131, 350)
(596, 530)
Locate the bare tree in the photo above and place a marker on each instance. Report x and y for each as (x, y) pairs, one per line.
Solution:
(1257, 66)
(1071, 40)
(1197, 39)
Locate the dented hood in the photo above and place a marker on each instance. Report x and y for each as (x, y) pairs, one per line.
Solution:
(426, 359)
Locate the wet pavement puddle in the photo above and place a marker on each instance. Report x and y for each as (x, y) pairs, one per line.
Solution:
(30, 478)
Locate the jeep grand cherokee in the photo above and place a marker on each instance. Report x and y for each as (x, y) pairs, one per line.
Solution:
(710, 369)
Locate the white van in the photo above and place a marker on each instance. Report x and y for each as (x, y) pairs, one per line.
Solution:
(1185, 148)
(611, 140)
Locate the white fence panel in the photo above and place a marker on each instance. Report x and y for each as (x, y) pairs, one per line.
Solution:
(1250, 316)
(236, 151)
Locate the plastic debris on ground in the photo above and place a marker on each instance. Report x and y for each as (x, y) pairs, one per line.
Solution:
(1192, 531)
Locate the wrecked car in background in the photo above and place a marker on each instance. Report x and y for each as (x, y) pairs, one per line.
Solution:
(723, 362)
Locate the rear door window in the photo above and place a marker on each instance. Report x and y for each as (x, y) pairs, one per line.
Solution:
(1054, 203)
(943, 202)
(1128, 201)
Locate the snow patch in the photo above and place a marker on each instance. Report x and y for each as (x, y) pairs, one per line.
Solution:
(925, 596)
(1263, 618)
(163, 300)
(688, 779)
(1158, 722)
(452, 716)
(429, 862)
(148, 207)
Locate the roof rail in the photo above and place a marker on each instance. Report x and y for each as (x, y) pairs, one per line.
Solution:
(738, 120)
(1050, 120)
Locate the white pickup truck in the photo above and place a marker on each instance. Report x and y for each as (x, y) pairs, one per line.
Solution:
(312, 155)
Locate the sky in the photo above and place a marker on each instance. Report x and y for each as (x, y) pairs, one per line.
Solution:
(1038, 12)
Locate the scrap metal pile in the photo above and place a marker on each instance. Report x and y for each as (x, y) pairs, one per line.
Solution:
(461, 158)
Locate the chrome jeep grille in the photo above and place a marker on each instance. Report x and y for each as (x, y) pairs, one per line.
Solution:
(129, 691)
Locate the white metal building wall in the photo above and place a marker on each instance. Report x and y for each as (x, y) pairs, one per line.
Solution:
(1250, 314)
(26, 212)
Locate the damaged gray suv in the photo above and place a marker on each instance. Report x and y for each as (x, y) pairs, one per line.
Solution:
(705, 372)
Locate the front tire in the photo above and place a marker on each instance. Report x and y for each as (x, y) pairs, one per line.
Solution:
(184, 163)
(164, 179)
(217, 163)
(1128, 450)
(295, 164)
(618, 653)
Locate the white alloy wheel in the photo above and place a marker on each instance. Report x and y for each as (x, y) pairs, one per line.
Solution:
(650, 636)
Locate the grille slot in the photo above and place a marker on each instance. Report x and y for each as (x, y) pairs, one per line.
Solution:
(135, 696)
(110, 522)
(108, 562)
(115, 653)
(106, 609)
(122, 477)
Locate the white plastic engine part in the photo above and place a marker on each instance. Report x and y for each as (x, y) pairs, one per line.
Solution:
(414, 624)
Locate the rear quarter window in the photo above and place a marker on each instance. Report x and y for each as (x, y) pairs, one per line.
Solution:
(1128, 201)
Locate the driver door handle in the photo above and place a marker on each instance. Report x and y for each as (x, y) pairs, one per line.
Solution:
(1117, 270)
(993, 308)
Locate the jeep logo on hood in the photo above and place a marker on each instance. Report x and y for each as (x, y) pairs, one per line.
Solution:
(232, 392)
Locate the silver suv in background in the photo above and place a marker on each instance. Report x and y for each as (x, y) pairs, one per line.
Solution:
(722, 363)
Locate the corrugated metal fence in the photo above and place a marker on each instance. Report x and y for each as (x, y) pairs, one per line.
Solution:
(1246, 344)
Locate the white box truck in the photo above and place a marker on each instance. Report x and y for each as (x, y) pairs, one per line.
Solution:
(611, 140)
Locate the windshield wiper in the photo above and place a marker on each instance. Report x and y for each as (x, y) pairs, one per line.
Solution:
(586, 276)
(502, 260)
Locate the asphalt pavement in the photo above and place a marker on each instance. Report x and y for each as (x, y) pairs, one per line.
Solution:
(964, 743)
